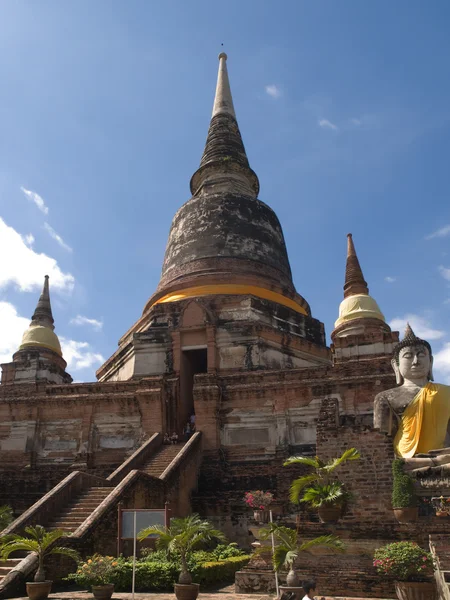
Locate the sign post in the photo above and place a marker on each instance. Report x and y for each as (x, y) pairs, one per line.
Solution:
(134, 555)
(273, 552)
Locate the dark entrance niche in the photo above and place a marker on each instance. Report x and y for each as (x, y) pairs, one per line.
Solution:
(192, 363)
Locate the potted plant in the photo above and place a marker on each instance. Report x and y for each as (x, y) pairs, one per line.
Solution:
(410, 566)
(441, 506)
(404, 499)
(96, 573)
(318, 488)
(259, 501)
(288, 546)
(43, 543)
(179, 541)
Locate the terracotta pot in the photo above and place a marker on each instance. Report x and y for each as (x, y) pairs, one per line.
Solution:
(406, 515)
(103, 592)
(416, 590)
(329, 514)
(441, 513)
(292, 579)
(39, 590)
(186, 591)
(261, 516)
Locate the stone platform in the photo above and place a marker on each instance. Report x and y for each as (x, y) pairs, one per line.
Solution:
(225, 593)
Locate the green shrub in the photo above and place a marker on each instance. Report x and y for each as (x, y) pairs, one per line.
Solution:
(404, 561)
(403, 491)
(223, 571)
(160, 575)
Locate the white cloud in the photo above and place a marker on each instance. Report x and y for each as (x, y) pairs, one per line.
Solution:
(390, 279)
(12, 327)
(420, 326)
(28, 239)
(79, 355)
(441, 365)
(356, 122)
(38, 200)
(52, 233)
(80, 320)
(442, 232)
(26, 268)
(274, 91)
(326, 124)
(444, 272)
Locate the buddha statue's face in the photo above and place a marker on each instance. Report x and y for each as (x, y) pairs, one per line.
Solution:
(414, 363)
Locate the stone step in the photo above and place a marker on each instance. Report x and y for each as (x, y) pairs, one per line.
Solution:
(5, 570)
(79, 512)
(11, 562)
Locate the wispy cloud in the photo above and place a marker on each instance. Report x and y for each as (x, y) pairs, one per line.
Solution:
(356, 122)
(25, 267)
(273, 91)
(421, 326)
(79, 355)
(442, 232)
(326, 124)
(444, 272)
(80, 320)
(28, 239)
(442, 362)
(52, 233)
(38, 200)
(390, 279)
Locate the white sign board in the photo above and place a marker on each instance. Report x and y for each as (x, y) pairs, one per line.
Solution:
(144, 518)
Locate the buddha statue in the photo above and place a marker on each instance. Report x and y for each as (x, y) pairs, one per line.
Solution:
(417, 412)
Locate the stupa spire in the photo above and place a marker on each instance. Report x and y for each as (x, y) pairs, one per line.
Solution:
(224, 166)
(354, 278)
(43, 311)
(223, 102)
(41, 333)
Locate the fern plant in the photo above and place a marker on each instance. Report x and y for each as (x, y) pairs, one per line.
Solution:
(40, 541)
(6, 516)
(289, 545)
(320, 487)
(182, 538)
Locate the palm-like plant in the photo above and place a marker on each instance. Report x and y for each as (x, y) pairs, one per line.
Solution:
(320, 486)
(6, 516)
(289, 545)
(40, 541)
(183, 537)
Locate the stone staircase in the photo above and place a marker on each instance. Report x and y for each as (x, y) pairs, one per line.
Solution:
(81, 500)
(79, 509)
(8, 565)
(157, 464)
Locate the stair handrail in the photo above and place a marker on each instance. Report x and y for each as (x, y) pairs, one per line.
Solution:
(441, 584)
(40, 511)
(179, 458)
(137, 459)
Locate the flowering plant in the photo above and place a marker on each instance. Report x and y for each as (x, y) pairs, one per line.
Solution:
(97, 570)
(403, 561)
(441, 504)
(258, 499)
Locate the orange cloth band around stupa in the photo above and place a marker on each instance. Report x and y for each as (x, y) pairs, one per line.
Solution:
(236, 290)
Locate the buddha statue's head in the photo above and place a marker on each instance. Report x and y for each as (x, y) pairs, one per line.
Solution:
(413, 359)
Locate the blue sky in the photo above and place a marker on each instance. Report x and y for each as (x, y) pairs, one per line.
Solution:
(344, 108)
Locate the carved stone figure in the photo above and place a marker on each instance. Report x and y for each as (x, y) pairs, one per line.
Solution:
(417, 412)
